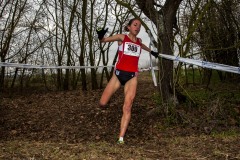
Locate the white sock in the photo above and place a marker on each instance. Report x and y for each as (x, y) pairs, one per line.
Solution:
(120, 138)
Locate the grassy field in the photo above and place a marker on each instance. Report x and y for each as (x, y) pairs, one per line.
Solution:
(177, 147)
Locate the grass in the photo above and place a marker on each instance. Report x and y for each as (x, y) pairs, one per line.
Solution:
(56, 151)
(226, 134)
(189, 147)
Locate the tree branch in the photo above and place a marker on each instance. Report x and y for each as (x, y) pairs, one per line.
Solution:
(126, 5)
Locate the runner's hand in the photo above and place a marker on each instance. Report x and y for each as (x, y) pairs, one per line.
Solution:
(155, 54)
(101, 32)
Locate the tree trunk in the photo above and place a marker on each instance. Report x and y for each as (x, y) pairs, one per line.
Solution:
(14, 78)
(164, 19)
(91, 53)
(81, 58)
(2, 76)
(68, 40)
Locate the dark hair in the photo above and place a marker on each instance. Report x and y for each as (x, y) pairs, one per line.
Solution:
(129, 24)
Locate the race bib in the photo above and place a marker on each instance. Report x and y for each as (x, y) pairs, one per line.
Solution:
(132, 49)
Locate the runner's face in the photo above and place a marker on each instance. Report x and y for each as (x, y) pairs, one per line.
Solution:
(135, 27)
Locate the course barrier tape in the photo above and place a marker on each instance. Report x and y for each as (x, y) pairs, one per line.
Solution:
(29, 66)
(203, 64)
(151, 65)
(19, 65)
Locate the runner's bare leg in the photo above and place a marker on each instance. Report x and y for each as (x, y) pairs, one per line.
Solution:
(110, 89)
(129, 92)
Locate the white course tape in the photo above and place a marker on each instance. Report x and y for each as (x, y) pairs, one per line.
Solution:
(19, 65)
(204, 64)
(151, 66)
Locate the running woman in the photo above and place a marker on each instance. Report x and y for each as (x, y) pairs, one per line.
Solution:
(126, 69)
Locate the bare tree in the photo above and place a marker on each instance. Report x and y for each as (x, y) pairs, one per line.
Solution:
(82, 63)
(164, 17)
(217, 35)
(16, 10)
(189, 18)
